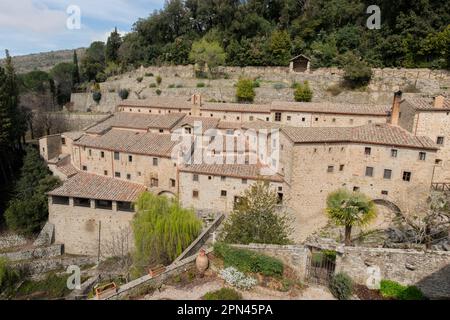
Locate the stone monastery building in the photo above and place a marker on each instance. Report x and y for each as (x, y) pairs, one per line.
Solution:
(382, 151)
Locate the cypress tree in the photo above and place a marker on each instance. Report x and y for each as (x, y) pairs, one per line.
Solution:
(112, 47)
(76, 70)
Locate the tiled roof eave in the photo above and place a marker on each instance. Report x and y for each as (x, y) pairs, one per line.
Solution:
(422, 147)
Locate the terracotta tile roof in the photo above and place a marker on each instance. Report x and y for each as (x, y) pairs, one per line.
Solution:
(260, 124)
(236, 107)
(426, 104)
(68, 170)
(229, 125)
(241, 171)
(91, 186)
(154, 144)
(333, 108)
(382, 134)
(73, 135)
(159, 102)
(207, 123)
(136, 121)
(186, 104)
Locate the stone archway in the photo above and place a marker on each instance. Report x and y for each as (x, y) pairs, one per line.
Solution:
(387, 212)
(168, 194)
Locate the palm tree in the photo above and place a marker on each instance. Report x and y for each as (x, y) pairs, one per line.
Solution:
(350, 209)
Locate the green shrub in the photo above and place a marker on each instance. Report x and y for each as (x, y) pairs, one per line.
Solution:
(53, 286)
(357, 73)
(200, 85)
(179, 85)
(8, 276)
(171, 86)
(123, 94)
(223, 294)
(97, 96)
(139, 79)
(335, 90)
(303, 93)
(245, 91)
(249, 261)
(152, 85)
(149, 74)
(158, 92)
(341, 286)
(392, 289)
(158, 80)
(257, 83)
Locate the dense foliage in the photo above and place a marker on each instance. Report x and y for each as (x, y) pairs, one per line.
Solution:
(162, 230)
(268, 32)
(223, 294)
(245, 91)
(248, 261)
(341, 286)
(8, 276)
(256, 218)
(392, 289)
(303, 92)
(13, 120)
(28, 210)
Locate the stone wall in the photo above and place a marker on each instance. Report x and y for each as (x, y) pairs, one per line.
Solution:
(275, 85)
(294, 256)
(430, 271)
(10, 240)
(34, 253)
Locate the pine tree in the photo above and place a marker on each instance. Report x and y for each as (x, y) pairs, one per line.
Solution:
(112, 47)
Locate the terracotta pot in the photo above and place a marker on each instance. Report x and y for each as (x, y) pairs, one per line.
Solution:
(202, 261)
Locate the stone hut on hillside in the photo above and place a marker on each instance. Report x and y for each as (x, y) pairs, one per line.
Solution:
(300, 63)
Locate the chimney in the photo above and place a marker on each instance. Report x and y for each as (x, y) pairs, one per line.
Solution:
(196, 104)
(439, 102)
(395, 111)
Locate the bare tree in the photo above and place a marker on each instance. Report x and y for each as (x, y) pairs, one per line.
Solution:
(119, 247)
(428, 220)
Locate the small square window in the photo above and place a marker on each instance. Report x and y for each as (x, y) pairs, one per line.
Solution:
(155, 162)
(84, 168)
(130, 158)
(369, 171)
(128, 176)
(406, 176)
(223, 193)
(154, 183)
(384, 193)
(394, 153)
(172, 183)
(438, 161)
(289, 118)
(317, 119)
(356, 189)
(117, 174)
(440, 140)
(102, 154)
(209, 178)
(341, 167)
(387, 174)
(195, 177)
(116, 156)
(195, 194)
(105, 173)
(334, 120)
(90, 153)
(330, 169)
(161, 130)
(63, 141)
(367, 151)
(251, 118)
(422, 156)
(223, 178)
(303, 119)
(244, 181)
